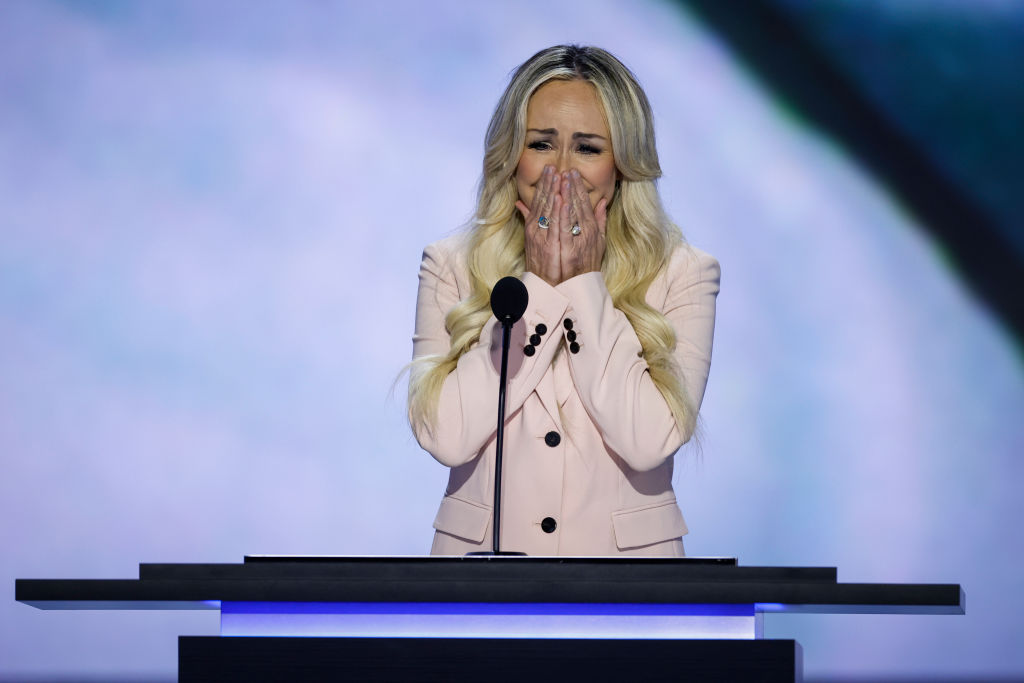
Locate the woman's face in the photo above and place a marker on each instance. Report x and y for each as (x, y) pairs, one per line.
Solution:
(566, 128)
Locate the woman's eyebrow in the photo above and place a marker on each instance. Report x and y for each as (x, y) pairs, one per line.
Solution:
(554, 131)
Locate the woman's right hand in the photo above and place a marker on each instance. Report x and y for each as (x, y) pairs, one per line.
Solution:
(542, 248)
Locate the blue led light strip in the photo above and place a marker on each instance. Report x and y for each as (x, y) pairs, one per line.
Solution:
(488, 620)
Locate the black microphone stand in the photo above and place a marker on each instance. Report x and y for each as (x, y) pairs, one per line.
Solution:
(508, 302)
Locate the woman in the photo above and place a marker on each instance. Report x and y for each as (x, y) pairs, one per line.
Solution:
(608, 365)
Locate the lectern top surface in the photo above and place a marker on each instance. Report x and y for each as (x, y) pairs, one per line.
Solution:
(534, 559)
(527, 571)
(478, 579)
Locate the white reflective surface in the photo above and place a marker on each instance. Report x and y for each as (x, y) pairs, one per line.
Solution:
(453, 620)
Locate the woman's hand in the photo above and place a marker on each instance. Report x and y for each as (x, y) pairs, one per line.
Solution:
(583, 252)
(542, 249)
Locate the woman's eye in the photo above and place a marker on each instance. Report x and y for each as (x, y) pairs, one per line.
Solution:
(539, 145)
(589, 149)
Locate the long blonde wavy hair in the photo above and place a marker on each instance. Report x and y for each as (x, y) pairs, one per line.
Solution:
(639, 238)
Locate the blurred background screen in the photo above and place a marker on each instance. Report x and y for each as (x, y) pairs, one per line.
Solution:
(211, 220)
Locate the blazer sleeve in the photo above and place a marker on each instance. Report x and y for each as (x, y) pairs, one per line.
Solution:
(610, 373)
(467, 410)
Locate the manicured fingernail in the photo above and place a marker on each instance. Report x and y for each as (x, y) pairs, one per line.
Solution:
(575, 173)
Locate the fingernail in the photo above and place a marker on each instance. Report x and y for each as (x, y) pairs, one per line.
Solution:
(575, 173)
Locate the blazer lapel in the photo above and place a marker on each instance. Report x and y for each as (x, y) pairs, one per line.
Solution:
(546, 393)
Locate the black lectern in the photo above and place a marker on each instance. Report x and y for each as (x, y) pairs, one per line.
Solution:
(489, 618)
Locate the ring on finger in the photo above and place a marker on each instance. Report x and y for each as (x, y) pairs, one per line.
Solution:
(575, 230)
(543, 223)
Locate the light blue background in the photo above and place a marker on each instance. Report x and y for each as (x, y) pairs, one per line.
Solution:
(211, 218)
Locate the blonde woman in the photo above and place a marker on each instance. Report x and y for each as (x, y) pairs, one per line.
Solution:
(608, 365)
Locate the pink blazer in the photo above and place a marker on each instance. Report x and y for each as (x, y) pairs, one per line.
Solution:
(589, 439)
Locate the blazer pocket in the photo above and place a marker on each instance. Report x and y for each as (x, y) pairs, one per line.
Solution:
(462, 518)
(647, 524)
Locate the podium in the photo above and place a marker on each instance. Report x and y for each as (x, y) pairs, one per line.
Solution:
(288, 618)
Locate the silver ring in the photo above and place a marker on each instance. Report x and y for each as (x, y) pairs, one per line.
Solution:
(543, 223)
(575, 230)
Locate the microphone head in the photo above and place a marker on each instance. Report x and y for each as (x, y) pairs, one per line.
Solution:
(508, 299)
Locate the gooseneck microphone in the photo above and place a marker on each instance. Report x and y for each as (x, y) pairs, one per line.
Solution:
(508, 303)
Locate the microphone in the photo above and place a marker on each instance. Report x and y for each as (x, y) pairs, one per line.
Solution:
(509, 299)
(508, 303)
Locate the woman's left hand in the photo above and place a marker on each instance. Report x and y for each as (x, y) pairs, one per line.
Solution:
(584, 252)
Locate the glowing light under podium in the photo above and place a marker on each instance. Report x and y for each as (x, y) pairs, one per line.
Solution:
(489, 620)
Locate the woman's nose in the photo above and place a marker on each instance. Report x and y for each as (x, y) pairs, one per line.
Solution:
(563, 163)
